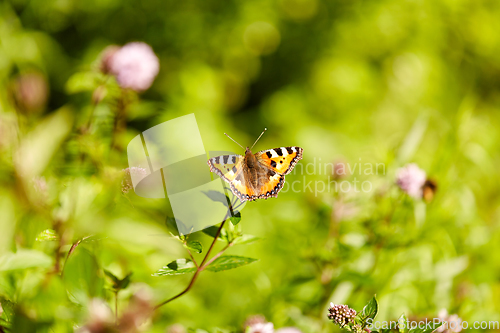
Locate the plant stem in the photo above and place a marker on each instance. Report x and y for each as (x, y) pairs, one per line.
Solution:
(202, 265)
(217, 255)
(192, 258)
(116, 308)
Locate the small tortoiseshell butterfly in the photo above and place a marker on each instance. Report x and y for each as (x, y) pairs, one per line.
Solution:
(256, 176)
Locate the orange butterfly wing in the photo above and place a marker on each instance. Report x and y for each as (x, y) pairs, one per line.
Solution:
(229, 168)
(281, 160)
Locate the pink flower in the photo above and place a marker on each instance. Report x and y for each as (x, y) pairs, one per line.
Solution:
(341, 314)
(261, 328)
(451, 323)
(411, 179)
(135, 66)
(100, 317)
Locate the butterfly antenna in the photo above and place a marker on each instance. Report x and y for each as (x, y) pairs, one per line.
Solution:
(261, 134)
(234, 140)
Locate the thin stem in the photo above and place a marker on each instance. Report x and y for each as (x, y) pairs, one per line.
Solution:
(202, 265)
(116, 307)
(217, 255)
(192, 258)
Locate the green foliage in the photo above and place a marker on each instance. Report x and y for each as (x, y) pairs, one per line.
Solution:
(354, 83)
(224, 263)
(369, 311)
(194, 246)
(177, 267)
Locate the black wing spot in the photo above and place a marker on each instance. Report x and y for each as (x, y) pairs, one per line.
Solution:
(273, 164)
(278, 151)
(234, 169)
(281, 162)
(289, 150)
(217, 160)
(226, 158)
(269, 154)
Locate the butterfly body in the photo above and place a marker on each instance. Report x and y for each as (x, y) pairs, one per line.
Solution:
(256, 176)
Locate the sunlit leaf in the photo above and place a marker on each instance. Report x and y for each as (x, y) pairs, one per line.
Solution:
(402, 324)
(369, 311)
(225, 263)
(80, 82)
(177, 267)
(194, 246)
(23, 259)
(38, 147)
(246, 239)
(47, 235)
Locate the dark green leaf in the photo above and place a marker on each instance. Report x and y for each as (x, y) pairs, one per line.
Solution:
(211, 231)
(113, 278)
(369, 311)
(177, 267)
(194, 246)
(123, 283)
(225, 263)
(236, 218)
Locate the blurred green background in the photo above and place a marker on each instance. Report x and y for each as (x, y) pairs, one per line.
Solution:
(354, 81)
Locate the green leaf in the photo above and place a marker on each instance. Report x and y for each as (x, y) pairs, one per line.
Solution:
(47, 235)
(40, 144)
(118, 284)
(80, 82)
(236, 218)
(8, 308)
(194, 246)
(24, 259)
(112, 277)
(211, 231)
(402, 321)
(245, 239)
(225, 263)
(369, 311)
(123, 284)
(177, 267)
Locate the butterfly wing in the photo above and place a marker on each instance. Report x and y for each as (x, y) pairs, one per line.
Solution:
(280, 160)
(230, 168)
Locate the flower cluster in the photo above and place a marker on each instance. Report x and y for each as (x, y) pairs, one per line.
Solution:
(411, 180)
(135, 65)
(451, 323)
(258, 324)
(341, 314)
